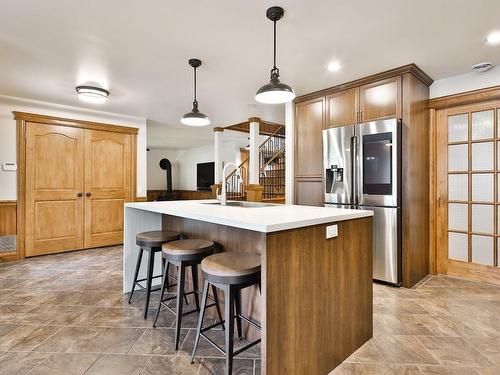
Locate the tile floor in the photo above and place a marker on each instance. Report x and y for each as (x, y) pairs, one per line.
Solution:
(65, 314)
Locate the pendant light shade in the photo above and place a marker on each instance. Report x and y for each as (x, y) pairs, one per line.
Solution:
(275, 92)
(195, 117)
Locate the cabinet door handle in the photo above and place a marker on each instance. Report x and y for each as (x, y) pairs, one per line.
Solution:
(88, 194)
(79, 195)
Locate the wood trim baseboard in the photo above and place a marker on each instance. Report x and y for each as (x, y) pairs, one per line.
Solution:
(51, 120)
(464, 98)
(410, 68)
(141, 199)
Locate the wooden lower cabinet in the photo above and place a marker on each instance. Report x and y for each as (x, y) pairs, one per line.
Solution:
(77, 181)
(309, 192)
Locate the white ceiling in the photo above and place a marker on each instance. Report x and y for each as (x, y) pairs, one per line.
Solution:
(139, 50)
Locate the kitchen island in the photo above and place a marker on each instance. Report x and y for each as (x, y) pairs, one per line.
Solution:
(316, 303)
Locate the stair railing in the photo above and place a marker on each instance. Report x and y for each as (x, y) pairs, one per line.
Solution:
(271, 157)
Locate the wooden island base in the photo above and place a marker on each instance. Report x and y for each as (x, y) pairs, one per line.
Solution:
(317, 298)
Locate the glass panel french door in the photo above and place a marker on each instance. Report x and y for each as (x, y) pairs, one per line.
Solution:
(472, 184)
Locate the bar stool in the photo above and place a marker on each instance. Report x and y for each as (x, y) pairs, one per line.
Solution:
(183, 254)
(230, 272)
(150, 242)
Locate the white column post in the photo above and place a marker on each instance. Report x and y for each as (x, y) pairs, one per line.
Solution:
(253, 172)
(218, 154)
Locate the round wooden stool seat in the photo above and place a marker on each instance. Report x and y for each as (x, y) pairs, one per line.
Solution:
(231, 268)
(156, 238)
(187, 250)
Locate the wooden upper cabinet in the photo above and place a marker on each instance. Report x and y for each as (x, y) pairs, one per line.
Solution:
(309, 123)
(380, 99)
(342, 108)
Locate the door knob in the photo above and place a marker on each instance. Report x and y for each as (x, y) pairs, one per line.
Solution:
(79, 194)
(88, 194)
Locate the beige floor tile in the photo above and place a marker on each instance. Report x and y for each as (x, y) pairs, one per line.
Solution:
(171, 365)
(116, 364)
(157, 341)
(69, 340)
(112, 341)
(215, 366)
(390, 324)
(375, 369)
(447, 370)
(20, 363)
(65, 364)
(406, 350)
(397, 306)
(26, 338)
(454, 351)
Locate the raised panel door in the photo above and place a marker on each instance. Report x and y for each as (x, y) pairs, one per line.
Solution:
(380, 100)
(309, 139)
(107, 186)
(309, 192)
(342, 108)
(54, 187)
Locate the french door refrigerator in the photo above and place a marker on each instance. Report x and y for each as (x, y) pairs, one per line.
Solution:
(362, 169)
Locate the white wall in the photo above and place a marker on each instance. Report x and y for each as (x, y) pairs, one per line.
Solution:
(184, 164)
(465, 82)
(157, 179)
(8, 151)
(289, 153)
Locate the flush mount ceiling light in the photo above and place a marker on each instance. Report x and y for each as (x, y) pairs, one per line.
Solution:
(493, 38)
(195, 117)
(92, 94)
(275, 92)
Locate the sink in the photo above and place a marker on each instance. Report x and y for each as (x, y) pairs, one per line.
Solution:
(242, 204)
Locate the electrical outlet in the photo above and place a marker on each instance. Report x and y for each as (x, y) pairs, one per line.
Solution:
(332, 231)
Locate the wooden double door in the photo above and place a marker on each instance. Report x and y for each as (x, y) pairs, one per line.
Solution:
(77, 181)
(468, 191)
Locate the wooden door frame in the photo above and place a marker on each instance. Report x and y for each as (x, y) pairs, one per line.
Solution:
(450, 101)
(22, 118)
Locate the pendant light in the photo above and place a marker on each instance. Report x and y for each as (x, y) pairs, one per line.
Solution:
(275, 92)
(195, 117)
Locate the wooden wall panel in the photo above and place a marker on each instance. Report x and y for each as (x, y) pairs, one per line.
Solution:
(8, 218)
(415, 177)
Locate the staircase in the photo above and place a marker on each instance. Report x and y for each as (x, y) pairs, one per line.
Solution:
(271, 171)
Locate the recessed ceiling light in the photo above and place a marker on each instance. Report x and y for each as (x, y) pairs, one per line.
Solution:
(334, 66)
(493, 38)
(92, 94)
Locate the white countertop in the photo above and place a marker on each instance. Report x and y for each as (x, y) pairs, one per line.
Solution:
(261, 219)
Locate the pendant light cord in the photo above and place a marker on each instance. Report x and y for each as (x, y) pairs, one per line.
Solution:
(195, 85)
(274, 67)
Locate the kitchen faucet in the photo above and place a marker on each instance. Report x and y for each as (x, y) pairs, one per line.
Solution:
(223, 197)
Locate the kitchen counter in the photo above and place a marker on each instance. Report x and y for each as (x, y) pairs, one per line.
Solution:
(265, 218)
(316, 300)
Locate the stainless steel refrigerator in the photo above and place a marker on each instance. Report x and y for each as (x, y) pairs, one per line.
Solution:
(362, 169)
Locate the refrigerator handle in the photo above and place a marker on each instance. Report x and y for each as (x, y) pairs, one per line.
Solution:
(355, 172)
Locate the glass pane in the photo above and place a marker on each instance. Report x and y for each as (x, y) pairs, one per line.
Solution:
(458, 187)
(482, 156)
(458, 128)
(377, 164)
(482, 125)
(458, 158)
(482, 250)
(482, 187)
(458, 246)
(482, 218)
(457, 216)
